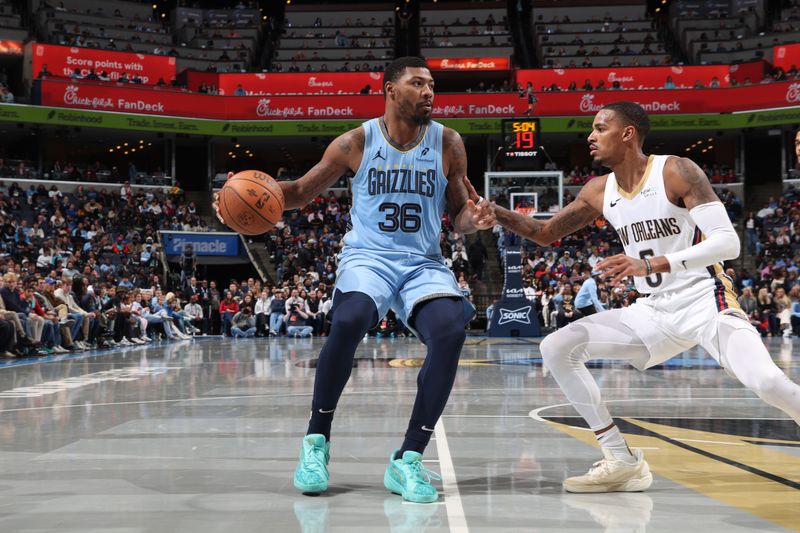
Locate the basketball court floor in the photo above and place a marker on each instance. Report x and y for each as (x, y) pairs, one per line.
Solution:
(203, 435)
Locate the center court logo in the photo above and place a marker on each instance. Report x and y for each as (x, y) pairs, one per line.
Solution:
(521, 315)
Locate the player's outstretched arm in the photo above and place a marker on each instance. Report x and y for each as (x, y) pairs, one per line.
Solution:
(343, 154)
(470, 213)
(580, 213)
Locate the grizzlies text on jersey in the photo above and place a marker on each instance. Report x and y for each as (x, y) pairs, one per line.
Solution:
(398, 195)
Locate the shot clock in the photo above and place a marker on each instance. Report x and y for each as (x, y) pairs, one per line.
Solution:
(523, 137)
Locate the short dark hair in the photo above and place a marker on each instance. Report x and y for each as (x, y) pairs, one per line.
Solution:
(632, 114)
(397, 67)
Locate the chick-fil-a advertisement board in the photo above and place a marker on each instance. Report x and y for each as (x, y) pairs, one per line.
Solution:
(132, 99)
(111, 97)
(288, 83)
(62, 61)
(643, 77)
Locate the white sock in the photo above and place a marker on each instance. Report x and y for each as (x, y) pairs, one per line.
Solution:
(611, 439)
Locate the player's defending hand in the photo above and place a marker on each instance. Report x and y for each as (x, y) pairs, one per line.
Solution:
(215, 203)
(481, 211)
(617, 267)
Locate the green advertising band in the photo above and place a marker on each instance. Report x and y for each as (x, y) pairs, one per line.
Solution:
(266, 128)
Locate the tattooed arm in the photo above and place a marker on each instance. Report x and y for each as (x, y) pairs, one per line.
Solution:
(468, 212)
(580, 213)
(686, 184)
(343, 154)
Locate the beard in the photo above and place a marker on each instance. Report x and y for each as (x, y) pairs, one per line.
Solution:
(421, 120)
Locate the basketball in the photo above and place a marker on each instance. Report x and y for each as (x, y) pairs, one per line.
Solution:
(251, 202)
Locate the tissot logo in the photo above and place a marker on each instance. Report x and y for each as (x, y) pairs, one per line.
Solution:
(521, 315)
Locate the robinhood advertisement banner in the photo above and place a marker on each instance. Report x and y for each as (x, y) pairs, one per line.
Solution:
(265, 128)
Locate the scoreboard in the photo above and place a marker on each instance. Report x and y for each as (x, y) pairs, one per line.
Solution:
(522, 136)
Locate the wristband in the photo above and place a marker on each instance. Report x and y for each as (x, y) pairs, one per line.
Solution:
(648, 266)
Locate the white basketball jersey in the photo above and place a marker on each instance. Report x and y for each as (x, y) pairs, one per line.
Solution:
(649, 225)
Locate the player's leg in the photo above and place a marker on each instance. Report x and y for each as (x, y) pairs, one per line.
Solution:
(743, 354)
(431, 303)
(441, 329)
(361, 297)
(353, 314)
(565, 352)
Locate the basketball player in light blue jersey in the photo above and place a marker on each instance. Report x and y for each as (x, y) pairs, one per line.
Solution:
(408, 170)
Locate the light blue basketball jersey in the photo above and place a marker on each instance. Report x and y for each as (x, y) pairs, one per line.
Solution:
(398, 196)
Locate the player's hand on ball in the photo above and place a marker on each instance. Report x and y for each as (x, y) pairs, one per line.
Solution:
(215, 203)
(617, 267)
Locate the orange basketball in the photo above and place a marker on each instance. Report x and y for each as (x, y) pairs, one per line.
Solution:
(251, 202)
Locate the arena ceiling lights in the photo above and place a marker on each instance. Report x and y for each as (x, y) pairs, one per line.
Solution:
(126, 148)
(238, 152)
(699, 146)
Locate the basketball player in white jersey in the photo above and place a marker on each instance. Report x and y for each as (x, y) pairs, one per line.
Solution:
(676, 234)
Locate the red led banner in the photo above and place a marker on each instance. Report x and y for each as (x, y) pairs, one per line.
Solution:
(643, 77)
(786, 56)
(132, 99)
(469, 63)
(61, 61)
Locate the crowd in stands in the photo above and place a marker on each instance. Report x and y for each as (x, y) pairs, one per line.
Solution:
(81, 260)
(334, 43)
(216, 41)
(90, 173)
(771, 293)
(777, 74)
(439, 35)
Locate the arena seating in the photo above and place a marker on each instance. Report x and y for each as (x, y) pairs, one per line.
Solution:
(324, 40)
(475, 32)
(597, 36)
(722, 36)
(10, 17)
(216, 40)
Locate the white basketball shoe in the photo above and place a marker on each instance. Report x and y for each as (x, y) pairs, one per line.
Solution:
(612, 475)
